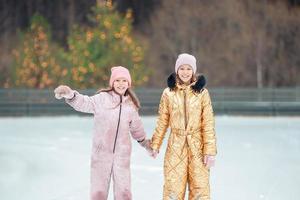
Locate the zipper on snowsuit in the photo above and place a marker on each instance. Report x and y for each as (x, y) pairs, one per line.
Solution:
(118, 125)
(184, 106)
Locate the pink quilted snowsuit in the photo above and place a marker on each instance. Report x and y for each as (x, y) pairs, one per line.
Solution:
(114, 117)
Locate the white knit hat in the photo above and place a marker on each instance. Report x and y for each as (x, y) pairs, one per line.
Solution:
(186, 59)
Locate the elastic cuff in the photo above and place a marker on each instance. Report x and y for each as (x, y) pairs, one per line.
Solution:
(154, 147)
(210, 153)
(139, 141)
(74, 96)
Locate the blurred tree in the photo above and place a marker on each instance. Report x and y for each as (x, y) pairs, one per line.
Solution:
(272, 29)
(16, 15)
(108, 42)
(37, 59)
(294, 2)
(141, 10)
(237, 43)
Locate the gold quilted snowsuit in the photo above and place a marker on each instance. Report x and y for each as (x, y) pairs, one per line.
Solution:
(190, 117)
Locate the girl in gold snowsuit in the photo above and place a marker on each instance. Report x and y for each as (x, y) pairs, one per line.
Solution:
(186, 107)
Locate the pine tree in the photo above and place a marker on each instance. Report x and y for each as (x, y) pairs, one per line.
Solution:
(37, 59)
(107, 42)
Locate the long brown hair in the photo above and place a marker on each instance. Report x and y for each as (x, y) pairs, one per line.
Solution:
(129, 92)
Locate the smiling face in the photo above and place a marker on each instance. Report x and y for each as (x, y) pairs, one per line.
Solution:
(185, 73)
(120, 85)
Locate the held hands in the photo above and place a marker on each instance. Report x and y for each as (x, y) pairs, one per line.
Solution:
(154, 153)
(209, 161)
(146, 143)
(63, 91)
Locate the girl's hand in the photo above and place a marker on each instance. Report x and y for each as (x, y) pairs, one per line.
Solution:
(146, 144)
(154, 153)
(209, 161)
(64, 91)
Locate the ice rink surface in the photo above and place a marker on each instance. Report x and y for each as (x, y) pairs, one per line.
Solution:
(47, 158)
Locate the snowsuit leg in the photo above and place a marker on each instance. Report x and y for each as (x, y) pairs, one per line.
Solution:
(121, 177)
(175, 168)
(184, 166)
(101, 170)
(198, 177)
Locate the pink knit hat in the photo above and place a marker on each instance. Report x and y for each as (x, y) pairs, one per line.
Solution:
(119, 72)
(187, 59)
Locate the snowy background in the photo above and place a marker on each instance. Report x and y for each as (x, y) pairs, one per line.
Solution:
(47, 158)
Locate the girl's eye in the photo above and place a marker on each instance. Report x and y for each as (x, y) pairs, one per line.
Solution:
(185, 69)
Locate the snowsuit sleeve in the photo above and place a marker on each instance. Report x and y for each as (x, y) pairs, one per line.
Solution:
(83, 103)
(208, 126)
(136, 127)
(162, 122)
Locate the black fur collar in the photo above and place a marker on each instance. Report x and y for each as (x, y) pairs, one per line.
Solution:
(199, 85)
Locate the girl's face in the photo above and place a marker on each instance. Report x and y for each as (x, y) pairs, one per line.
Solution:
(120, 85)
(185, 73)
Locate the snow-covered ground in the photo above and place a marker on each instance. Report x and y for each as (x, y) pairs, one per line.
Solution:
(47, 158)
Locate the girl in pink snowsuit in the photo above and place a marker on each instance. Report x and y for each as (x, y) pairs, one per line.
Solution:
(115, 115)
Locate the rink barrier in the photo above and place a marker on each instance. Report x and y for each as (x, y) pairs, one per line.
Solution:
(226, 101)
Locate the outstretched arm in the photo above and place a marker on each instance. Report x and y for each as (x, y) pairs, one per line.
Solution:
(79, 102)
